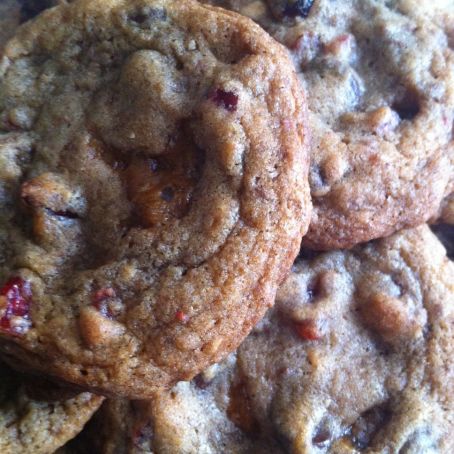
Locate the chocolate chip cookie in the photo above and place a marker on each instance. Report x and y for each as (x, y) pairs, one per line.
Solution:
(379, 76)
(38, 417)
(201, 416)
(153, 159)
(355, 357)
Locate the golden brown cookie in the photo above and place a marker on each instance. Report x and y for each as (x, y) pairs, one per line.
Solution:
(356, 357)
(37, 417)
(379, 77)
(154, 155)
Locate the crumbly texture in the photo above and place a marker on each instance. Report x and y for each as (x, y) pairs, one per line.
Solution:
(355, 357)
(379, 77)
(152, 160)
(38, 417)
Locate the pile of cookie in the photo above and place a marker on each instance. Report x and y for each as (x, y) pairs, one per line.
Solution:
(226, 226)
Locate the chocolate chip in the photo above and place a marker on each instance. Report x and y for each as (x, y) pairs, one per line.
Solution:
(298, 8)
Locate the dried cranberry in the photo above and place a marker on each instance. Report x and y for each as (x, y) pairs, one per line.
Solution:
(226, 99)
(181, 316)
(308, 330)
(15, 307)
(298, 8)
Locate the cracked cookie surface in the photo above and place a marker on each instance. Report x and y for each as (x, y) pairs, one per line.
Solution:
(152, 162)
(354, 357)
(38, 417)
(379, 77)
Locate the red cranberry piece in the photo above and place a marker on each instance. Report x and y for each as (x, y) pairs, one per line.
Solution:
(225, 99)
(100, 300)
(299, 8)
(15, 302)
(308, 330)
(181, 316)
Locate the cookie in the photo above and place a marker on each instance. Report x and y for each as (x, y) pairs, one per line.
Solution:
(194, 417)
(380, 82)
(159, 151)
(355, 357)
(38, 417)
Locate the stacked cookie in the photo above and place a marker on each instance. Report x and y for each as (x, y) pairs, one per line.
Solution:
(161, 162)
